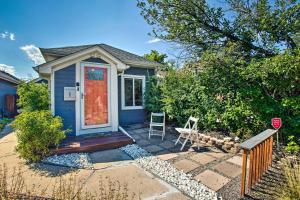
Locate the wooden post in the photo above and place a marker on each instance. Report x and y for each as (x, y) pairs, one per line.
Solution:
(244, 169)
(251, 167)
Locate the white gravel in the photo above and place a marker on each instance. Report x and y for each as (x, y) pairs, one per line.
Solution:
(76, 160)
(170, 174)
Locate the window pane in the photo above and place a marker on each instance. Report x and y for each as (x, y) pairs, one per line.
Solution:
(128, 85)
(138, 91)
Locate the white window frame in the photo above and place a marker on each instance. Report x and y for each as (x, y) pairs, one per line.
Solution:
(133, 92)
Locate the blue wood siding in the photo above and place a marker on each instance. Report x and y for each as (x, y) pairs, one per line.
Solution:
(5, 88)
(137, 115)
(65, 109)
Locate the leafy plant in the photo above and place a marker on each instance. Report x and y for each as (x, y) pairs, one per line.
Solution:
(293, 145)
(3, 122)
(33, 96)
(37, 132)
(153, 95)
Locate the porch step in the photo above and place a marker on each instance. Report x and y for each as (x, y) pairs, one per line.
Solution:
(92, 144)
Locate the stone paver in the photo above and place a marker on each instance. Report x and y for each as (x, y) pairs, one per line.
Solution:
(174, 196)
(228, 169)
(109, 158)
(136, 179)
(238, 160)
(142, 142)
(185, 165)
(202, 158)
(216, 154)
(212, 179)
(167, 156)
(167, 144)
(153, 148)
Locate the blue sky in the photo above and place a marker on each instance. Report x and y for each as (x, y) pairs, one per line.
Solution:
(26, 24)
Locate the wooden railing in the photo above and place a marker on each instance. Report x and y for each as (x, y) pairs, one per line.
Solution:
(260, 149)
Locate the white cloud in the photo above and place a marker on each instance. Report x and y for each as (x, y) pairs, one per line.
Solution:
(7, 35)
(7, 68)
(33, 53)
(154, 40)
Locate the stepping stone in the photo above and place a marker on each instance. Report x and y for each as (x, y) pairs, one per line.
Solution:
(228, 169)
(143, 142)
(212, 179)
(202, 158)
(167, 156)
(238, 160)
(167, 144)
(153, 148)
(185, 165)
(215, 154)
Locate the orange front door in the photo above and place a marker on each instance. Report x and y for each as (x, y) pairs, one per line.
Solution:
(95, 96)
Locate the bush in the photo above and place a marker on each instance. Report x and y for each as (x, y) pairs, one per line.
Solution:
(33, 96)
(153, 96)
(37, 132)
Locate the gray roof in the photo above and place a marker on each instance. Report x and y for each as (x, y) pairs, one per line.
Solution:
(124, 56)
(8, 77)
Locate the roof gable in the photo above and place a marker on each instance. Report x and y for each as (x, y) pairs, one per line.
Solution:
(8, 77)
(124, 56)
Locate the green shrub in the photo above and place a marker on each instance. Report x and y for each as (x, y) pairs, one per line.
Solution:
(3, 122)
(153, 96)
(37, 132)
(292, 145)
(33, 96)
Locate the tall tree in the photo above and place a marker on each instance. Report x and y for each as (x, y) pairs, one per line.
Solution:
(156, 56)
(261, 28)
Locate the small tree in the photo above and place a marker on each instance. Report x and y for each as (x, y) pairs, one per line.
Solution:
(37, 132)
(33, 96)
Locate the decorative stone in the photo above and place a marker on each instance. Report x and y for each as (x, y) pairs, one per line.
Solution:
(227, 139)
(206, 138)
(220, 142)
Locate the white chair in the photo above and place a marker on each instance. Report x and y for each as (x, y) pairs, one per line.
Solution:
(160, 123)
(188, 132)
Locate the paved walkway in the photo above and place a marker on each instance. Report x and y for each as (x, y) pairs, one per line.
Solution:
(110, 166)
(210, 166)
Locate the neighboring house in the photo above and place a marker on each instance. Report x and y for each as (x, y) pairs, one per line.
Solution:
(8, 91)
(40, 80)
(96, 88)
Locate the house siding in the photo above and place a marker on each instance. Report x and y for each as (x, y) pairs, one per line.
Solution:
(137, 115)
(5, 88)
(65, 109)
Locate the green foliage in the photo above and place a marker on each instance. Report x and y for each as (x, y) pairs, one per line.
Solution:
(156, 56)
(261, 28)
(37, 132)
(33, 96)
(153, 96)
(235, 95)
(3, 122)
(293, 145)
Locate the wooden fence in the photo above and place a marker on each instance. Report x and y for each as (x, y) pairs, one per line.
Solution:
(260, 149)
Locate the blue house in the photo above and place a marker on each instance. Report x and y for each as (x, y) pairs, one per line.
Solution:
(8, 91)
(96, 88)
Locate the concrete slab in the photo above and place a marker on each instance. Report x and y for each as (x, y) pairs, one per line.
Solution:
(167, 144)
(228, 169)
(216, 154)
(137, 181)
(142, 142)
(153, 148)
(202, 158)
(185, 165)
(238, 160)
(174, 196)
(212, 179)
(167, 156)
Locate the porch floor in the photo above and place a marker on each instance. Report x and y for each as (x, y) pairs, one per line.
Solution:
(92, 143)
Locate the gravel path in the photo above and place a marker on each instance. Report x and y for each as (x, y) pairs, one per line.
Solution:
(170, 174)
(75, 160)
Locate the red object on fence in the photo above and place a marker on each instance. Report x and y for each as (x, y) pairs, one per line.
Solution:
(276, 123)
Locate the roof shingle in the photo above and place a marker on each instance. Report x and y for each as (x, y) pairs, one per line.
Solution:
(124, 56)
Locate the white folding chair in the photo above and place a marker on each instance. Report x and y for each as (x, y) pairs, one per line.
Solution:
(188, 132)
(160, 123)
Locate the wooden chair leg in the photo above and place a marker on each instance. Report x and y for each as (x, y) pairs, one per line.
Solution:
(185, 141)
(178, 139)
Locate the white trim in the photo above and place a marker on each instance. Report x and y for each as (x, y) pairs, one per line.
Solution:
(123, 76)
(95, 50)
(126, 133)
(77, 102)
(107, 66)
(52, 94)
